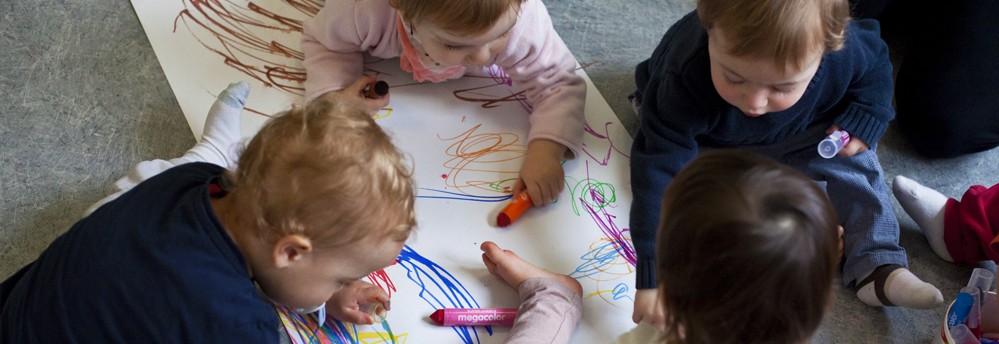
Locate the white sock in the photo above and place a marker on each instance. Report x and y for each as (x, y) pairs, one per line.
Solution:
(221, 131)
(926, 207)
(901, 288)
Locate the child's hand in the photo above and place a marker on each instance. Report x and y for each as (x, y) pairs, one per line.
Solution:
(840, 241)
(649, 309)
(856, 145)
(542, 173)
(353, 96)
(347, 304)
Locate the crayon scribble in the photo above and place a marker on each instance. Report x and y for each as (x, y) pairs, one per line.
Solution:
(595, 198)
(603, 264)
(440, 289)
(251, 39)
(382, 280)
(305, 329)
(471, 168)
(500, 80)
(605, 136)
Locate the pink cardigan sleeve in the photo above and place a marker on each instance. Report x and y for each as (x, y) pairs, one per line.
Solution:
(541, 64)
(334, 41)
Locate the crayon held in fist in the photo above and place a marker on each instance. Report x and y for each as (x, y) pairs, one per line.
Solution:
(378, 90)
(512, 212)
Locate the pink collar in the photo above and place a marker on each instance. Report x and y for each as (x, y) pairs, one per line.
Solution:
(410, 61)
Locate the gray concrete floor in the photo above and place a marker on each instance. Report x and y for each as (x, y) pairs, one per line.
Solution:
(83, 98)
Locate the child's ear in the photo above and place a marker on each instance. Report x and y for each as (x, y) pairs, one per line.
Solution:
(290, 249)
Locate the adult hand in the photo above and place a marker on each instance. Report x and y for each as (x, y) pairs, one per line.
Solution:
(353, 96)
(351, 302)
(541, 175)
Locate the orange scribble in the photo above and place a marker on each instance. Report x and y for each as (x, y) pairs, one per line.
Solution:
(474, 157)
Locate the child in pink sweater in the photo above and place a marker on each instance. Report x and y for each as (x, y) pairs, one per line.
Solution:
(438, 40)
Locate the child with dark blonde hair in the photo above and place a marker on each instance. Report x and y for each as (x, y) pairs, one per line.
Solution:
(747, 253)
(774, 77)
(197, 253)
(438, 40)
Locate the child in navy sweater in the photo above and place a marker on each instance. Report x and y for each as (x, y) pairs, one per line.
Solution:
(774, 77)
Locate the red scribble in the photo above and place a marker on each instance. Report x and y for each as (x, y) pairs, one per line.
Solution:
(381, 279)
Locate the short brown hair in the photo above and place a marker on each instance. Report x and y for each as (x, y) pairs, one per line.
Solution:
(747, 251)
(785, 31)
(327, 172)
(468, 17)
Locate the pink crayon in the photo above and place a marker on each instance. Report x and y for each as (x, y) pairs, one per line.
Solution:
(474, 316)
(833, 143)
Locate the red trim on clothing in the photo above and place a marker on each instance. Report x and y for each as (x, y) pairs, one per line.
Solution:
(971, 226)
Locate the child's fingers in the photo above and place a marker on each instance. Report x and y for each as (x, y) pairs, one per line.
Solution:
(852, 148)
(357, 317)
(358, 86)
(376, 294)
(553, 191)
(376, 104)
(519, 186)
(537, 197)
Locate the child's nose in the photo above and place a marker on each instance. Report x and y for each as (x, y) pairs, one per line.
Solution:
(479, 57)
(756, 99)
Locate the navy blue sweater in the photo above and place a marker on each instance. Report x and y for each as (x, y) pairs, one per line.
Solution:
(153, 266)
(681, 110)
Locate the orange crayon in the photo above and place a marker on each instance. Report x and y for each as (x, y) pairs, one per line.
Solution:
(512, 212)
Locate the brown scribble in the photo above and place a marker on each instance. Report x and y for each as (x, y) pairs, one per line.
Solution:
(236, 33)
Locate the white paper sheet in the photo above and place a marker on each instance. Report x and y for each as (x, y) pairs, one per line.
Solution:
(464, 152)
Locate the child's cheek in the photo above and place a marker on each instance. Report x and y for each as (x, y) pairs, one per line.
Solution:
(728, 93)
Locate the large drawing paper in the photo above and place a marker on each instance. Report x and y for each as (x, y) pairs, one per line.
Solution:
(466, 139)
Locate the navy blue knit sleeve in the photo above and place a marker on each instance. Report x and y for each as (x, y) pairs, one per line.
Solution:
(868, 109)
(665, 142)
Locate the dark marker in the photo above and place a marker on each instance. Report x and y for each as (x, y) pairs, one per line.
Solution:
(380, 89)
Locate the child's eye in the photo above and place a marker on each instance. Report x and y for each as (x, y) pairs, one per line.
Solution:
(783, 90)
(731, 82)
(451, 47)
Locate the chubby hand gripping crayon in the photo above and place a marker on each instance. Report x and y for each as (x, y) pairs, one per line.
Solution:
(521, 202)
(378, 90)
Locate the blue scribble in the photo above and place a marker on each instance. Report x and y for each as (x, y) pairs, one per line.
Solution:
(463, 197)
(440, 289)
(621, 291)
(596, 261)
